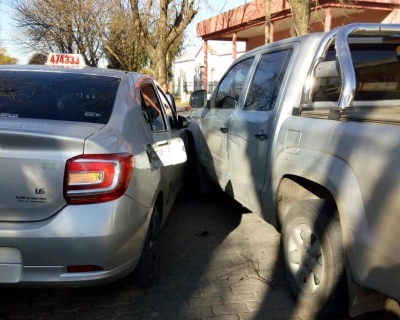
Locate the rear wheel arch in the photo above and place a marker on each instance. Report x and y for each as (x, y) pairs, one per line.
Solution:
(293, 189)
(145, 271)
(326, 177)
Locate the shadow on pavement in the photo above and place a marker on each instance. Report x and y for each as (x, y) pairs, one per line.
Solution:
(217, 261)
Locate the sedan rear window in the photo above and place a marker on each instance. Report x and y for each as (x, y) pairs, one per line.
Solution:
(57, 96)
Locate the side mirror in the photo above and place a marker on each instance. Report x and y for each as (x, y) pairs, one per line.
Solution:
(198, 99)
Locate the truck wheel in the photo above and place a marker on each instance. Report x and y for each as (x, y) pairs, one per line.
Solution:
(313, 256)
(145, 271)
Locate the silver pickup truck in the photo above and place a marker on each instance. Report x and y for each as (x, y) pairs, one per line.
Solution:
(306, 133)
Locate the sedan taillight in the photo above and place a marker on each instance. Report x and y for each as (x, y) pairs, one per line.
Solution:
(97, 177)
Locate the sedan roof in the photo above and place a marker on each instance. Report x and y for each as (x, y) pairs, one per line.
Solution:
(84, 70)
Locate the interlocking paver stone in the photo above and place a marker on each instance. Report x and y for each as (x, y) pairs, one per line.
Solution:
(217, 261)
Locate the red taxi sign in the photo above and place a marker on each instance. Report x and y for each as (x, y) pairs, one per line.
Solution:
(73, 60)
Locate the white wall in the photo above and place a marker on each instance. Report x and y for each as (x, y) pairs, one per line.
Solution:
(188, 67)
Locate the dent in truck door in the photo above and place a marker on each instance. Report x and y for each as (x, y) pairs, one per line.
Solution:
(251, 129)
(216, 124)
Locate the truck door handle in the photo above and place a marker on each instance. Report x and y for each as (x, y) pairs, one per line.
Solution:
(223, 130)
(261, 136)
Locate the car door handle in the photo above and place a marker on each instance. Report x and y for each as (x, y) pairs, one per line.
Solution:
(261, 136)
(224, 129)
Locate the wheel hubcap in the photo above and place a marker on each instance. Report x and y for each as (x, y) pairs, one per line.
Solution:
(305, 258)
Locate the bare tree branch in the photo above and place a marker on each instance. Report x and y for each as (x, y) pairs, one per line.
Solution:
(61, 26)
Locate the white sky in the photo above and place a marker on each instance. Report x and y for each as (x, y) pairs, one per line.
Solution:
(205, 12)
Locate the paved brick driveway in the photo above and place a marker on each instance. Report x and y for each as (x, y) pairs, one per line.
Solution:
(217, 262)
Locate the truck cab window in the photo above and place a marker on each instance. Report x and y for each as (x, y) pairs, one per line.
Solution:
(264, 88)
(232, 84)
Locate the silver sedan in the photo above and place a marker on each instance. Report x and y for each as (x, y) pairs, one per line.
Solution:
(91, 161)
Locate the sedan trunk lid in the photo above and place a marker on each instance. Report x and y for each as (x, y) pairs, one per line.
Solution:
(32, 165)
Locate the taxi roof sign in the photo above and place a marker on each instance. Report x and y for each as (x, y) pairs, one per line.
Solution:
(70, 60)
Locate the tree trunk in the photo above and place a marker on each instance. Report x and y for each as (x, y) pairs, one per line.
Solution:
(301, 17)
(267, 29)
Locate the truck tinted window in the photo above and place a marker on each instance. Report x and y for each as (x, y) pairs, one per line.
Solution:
(377, 71)
(267, 81)
(57, 96)
(377, 68)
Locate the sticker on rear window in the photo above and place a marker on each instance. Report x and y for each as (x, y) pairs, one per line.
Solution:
(92, 114)
(8, 115)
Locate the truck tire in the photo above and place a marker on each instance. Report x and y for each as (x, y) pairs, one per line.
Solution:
(145, 271)
(313, 257)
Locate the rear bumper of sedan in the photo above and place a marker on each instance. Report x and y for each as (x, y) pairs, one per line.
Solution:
(81, 245)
